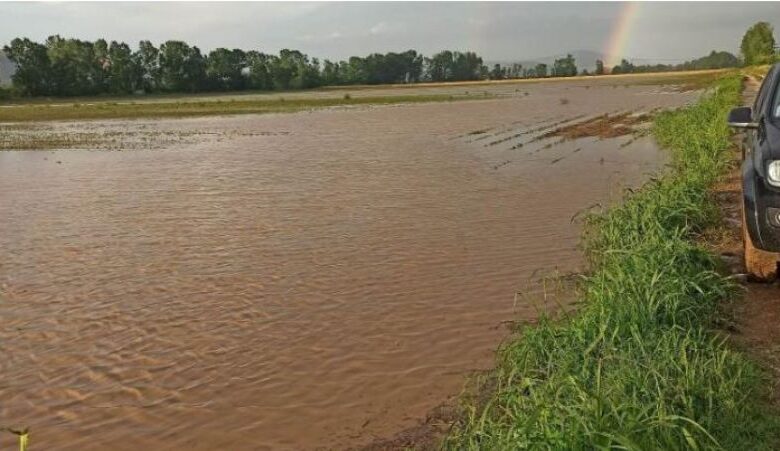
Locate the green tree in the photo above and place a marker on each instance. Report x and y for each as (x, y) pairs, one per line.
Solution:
(599, 67)
(625, 67)
(293, 70)
(413, 63)
(259, 74)
(148, 60)
(497, 73)
(540, 71)
(715, 60)
(100, 66)
(330, 73)
(124, 72)
(225, 69)
(564, 67)
(353, 71)
(284, 68)
(75, 68)
(308, 74)
(758, 44)
(517, 70)
(439, 66)
(182, 68)
(386, 68)
(450, 66)
(466, 66)
(32, 67)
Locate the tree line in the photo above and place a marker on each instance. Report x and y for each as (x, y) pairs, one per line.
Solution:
(715, 60)
(73, 67)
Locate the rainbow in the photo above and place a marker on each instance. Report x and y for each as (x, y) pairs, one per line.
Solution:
(618, 38)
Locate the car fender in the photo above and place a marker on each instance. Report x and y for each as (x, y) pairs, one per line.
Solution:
(749, 199)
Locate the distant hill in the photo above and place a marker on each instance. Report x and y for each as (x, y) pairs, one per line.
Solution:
(7, 69)
(584, 59)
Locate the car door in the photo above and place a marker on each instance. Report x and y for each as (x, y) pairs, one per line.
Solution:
(754, 138)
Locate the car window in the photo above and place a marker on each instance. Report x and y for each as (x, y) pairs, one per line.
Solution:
(776, 100)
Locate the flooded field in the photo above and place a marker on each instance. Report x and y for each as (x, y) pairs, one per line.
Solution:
(293, 281)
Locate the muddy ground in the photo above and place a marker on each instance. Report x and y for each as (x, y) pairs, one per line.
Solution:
(756, 314)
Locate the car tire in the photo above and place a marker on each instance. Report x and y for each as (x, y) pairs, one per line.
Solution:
(759, 264)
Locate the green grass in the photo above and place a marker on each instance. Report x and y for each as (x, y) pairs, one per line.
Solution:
(640, 365)
(27, 112)
(758, 72)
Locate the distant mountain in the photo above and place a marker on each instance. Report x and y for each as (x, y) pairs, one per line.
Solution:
(584, 59)
(7, 69)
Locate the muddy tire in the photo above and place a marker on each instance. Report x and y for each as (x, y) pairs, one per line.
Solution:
(759, 264)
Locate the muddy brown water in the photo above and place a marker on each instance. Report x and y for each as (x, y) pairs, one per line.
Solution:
(307, 280)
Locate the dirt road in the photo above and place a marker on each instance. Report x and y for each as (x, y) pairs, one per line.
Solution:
(757, 312)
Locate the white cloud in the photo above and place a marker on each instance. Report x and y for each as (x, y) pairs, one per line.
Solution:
(379, 28)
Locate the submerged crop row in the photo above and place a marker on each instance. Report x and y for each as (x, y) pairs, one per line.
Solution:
(639, 366)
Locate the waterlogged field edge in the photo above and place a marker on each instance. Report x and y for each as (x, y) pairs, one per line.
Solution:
(640, 365)
(175, 109)
(252, 102)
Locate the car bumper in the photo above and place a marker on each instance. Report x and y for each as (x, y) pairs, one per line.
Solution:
(762, 211)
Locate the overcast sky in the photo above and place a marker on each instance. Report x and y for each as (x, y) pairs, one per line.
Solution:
(497, 31)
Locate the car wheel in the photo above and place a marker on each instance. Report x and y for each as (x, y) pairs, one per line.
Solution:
(759, 264)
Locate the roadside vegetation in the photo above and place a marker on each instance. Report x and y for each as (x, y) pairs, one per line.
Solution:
(641, 364)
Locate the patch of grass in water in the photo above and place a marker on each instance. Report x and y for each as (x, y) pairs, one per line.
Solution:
(113, 110)
(639, 366)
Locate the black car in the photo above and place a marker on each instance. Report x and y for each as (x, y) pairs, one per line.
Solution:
(761, 177)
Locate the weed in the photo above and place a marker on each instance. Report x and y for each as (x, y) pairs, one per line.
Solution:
(639, 366)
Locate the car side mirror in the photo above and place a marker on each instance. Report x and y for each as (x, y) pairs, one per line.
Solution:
(742, 117)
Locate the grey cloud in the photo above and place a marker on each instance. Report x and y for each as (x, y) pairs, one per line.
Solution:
(498, 31)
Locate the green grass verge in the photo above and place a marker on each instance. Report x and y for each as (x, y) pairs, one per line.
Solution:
(128, 110)
(639, 366)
